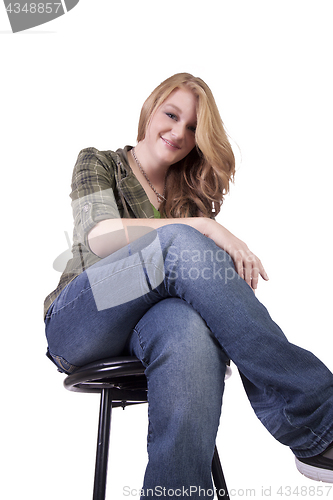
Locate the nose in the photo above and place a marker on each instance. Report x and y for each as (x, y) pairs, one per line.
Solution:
(178, 130)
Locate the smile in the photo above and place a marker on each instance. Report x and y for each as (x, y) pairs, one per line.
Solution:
(170, 144)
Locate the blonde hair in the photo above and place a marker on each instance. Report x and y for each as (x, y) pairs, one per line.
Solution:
(198, 183)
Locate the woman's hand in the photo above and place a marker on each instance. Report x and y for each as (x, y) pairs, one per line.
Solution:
(247, 265)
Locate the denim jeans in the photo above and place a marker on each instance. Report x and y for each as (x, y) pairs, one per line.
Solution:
(174, 299)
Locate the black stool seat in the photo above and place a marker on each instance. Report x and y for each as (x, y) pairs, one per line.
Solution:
(121, 382)
(123, 376)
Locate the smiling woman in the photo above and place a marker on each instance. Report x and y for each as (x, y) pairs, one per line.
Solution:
(199, 181)
(176, 290)
(169, 138)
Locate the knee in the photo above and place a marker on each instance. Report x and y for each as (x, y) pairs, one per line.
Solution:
(172, 332)
(180, 234)
(182, 244)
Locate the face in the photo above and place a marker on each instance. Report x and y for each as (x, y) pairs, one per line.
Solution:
(170, 134)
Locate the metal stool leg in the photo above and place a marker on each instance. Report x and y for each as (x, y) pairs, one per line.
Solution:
(102, 452)
(219, 481)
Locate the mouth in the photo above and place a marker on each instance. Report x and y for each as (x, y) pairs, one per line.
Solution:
(171, 144)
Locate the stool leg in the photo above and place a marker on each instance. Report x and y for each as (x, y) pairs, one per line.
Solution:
(102, 452)
(219, 481)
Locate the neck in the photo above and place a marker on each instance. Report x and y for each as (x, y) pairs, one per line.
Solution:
(154, 170)
(155, 189)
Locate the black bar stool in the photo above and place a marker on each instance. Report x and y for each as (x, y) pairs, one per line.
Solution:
(121, 382)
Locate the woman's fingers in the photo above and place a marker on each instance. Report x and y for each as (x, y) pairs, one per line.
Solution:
(251, 270)
(253, 278)
(262, 272)
(249, 267)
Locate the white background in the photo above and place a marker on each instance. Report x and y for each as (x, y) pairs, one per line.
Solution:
(80, 81)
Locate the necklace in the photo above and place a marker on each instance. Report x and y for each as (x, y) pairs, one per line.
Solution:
(160, 197)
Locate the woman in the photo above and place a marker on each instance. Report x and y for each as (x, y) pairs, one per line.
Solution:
(153, 274)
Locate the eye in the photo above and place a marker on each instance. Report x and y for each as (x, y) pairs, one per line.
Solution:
(172, 116)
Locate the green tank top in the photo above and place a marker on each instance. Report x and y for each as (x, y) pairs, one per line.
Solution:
(157, 214)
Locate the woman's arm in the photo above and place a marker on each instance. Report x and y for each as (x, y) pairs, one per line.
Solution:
(110, 235)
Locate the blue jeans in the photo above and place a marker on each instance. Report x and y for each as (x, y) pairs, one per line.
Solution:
(174, 299)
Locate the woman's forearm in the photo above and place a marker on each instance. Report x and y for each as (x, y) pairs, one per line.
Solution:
(110, 235)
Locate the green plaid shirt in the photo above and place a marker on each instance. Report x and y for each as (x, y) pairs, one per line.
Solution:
(103, 187)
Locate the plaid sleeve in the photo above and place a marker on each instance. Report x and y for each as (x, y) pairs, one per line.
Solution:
(92, 193)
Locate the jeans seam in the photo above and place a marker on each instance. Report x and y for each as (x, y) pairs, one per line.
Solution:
(289, 419)
(142, 345)
(53, 313)
(67, 369)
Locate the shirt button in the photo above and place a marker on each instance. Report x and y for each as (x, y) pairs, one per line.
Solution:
(86, 207)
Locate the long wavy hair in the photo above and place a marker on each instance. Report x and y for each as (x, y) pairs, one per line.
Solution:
(197, 184)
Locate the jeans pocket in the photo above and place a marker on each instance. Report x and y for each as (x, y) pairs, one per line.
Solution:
(62, 365)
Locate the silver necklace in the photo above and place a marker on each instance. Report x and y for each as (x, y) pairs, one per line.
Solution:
(160, 197)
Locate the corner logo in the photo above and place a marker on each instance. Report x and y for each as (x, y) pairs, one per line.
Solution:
(24, 15)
